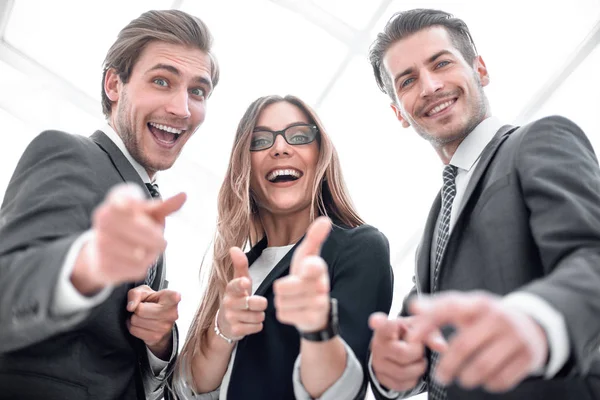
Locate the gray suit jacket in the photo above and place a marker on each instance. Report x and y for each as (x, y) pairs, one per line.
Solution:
(530, 221)
(57, 184)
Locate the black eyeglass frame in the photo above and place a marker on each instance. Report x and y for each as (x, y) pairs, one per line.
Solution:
(313, 128)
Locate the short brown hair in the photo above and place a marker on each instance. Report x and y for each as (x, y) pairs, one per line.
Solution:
(171, 26)
(406, 23)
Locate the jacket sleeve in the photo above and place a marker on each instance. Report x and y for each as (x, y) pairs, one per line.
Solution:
(362, 282)
(560, 180)
(46, 207)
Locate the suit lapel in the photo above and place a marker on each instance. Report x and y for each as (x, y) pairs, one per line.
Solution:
(129, 174)
(121, 163)
(423, 266)
(486, 156)
(423, 280)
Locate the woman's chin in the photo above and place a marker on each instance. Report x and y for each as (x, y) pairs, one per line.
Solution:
(283, 208)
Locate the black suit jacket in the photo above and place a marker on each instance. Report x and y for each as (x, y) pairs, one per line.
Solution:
(530, 221)
(361, 280)
(57, 183)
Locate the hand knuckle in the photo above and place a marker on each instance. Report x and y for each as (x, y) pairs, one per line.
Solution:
(237, 330)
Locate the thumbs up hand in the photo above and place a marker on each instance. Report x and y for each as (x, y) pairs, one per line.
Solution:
(302, 297)
(240, 313)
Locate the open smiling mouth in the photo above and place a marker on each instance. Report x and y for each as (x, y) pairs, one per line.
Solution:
(284, 175)
(165, 134)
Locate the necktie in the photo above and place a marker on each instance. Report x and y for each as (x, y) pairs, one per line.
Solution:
(437, 392)
(153, 189)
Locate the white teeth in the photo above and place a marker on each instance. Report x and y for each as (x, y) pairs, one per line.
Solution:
(439, 108)
(283, 172)
(167, 128)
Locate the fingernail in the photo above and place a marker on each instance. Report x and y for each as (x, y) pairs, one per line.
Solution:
(130, 305)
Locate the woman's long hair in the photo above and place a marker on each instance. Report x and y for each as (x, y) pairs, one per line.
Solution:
(238, 221)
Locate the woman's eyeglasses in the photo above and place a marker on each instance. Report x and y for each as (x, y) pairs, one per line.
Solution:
(294, 135)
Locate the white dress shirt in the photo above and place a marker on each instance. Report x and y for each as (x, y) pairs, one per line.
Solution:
(466, 158)
(346, 387)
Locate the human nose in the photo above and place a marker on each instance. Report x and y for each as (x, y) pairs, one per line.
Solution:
(179, 104)
(280, 147)
(429, 83)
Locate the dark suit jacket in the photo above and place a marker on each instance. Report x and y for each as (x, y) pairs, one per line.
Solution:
(361, 280)
(530, 221)
(58, 182)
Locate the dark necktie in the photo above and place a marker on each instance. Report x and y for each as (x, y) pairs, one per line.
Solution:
(437, 392)
(153, 189)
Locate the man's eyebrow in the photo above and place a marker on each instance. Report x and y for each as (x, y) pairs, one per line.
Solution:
(437, 55)
(407, 71)
(431, 59)
(167, 67)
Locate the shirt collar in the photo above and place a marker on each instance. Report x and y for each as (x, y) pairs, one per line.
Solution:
(112, 134)
(470, 149)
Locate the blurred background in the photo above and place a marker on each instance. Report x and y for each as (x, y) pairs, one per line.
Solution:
(543, 58)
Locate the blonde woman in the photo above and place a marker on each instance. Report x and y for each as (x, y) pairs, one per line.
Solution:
(287, 327)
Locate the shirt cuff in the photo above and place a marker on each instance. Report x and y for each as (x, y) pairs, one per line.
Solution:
(346, 387)
(158, 366)
(392, 394)
(67, 299)
(553, 324)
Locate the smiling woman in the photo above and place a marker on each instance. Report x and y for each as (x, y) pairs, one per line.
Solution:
(287, 327)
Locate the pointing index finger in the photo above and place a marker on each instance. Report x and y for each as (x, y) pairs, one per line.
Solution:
(161, 209)
(444, 309)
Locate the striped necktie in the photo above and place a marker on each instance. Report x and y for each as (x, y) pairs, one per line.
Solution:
(153, 189)
(437, 392)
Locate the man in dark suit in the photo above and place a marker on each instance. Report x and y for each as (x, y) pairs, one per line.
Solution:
(517, 221)
(84, 313)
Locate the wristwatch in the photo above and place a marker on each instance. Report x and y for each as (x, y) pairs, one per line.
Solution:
(330, 331)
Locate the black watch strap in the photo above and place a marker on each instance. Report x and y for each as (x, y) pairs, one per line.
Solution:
(330, 331)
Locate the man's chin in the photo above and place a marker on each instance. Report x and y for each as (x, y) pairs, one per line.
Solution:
(154, 166)
(162, 166)
(445, 133)
(443, 138)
